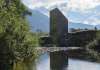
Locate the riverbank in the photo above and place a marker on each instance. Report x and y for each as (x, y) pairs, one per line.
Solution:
(82, 55)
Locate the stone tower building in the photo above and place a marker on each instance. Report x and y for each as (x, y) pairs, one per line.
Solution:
(58, 27)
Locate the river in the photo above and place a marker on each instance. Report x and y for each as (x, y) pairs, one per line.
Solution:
(44, 64)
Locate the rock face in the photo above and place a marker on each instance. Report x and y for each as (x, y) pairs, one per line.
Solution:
(58, 27)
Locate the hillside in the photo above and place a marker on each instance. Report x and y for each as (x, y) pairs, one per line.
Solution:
(38, 21)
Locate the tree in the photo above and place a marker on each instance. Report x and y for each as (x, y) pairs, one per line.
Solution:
(72, 30)
(95, 28)
(16, 42)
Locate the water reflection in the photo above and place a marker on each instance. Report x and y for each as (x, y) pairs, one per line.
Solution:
(44, 64)
(82, 65)
(58, 60)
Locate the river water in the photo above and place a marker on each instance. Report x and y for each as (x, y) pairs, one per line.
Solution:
(44, 64)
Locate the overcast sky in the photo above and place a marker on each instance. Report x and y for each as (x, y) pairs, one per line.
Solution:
(80, 11)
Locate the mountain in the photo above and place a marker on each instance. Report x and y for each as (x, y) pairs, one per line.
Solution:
(80, 25)
(38, 21)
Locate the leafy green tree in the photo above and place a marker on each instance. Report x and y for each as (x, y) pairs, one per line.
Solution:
(16, 40)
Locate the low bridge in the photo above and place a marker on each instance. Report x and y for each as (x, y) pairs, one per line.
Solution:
(58, 56)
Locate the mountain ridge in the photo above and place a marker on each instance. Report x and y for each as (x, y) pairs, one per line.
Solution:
(39, 21)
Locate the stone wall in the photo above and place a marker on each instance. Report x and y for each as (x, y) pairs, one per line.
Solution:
(81, 38)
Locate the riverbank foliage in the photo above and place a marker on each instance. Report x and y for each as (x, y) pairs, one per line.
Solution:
(16, 40)
(93, 47)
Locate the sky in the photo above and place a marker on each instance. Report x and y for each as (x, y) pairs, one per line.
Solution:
(78, 11)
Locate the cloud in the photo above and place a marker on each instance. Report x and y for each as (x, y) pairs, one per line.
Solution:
(32, 3)
(87, 11)
(82, 5)
(84, 11)
(92, 20)
(42, 3)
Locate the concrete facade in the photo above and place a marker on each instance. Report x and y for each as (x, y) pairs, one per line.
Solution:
(58, 27)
